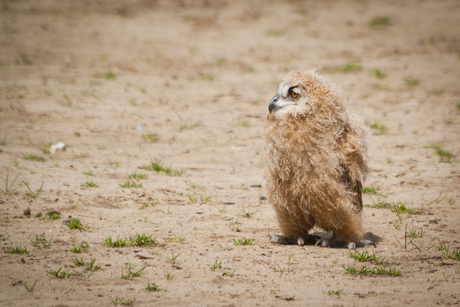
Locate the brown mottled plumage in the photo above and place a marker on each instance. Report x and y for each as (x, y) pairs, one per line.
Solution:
(315, 160)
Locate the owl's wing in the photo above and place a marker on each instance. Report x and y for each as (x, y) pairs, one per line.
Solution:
(354, 189)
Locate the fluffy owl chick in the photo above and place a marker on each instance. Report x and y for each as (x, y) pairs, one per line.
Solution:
(316, 161)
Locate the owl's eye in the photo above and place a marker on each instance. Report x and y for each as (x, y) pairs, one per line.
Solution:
(293, 93)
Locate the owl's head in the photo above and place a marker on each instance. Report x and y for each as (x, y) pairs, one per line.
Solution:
(299, 92)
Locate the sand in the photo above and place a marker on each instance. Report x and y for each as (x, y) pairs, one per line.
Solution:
(186, 85)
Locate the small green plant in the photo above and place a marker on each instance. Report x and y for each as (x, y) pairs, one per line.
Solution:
(446, 156)
(382, 87)
(440, 198)
(193, 185)
(274, 32)
(32, 194)
(75, 223)
(365, 256)
(222, 210)
(193, 198)
(378, 74)
(349, 68)
(137, 240)
(45, 148)
(389, 160)
(169, 276)
(29, 289)
(120, 242)
(451, 200)
(205, 197)
(380, 202)
(152, 287)
(372, 190)
(80, 249)
(78, 262)
(85, 277)
(419, 247)
(412, 82)
(174, 257)
(90, 184)
(9, 189)
(143, 240)
(401, 207)
(374, 271)
(52, 215)
(130, 184)
(206, 76)
(137, 176)
(151, 137)
(16, 250)
(88, 173)
(92, 266)
(234, 226)
(217, 264)
(234, 171)
(249, 214)
(455, 254)
(437, 92)
(229, 273)
(406, 237)
(432, 285)
(59, 274)
(159, 167)
(413, 233)
(243, 123)
(278, 269)
(369, 190)
(170, 238)
(332, 292)
(442, 247)
(109, 76)
(150, 204)
(118, 301)
(131, 272)
(379, 22)
(33, 157)
(185, 126)
(114, 164)
(41, 242)
(379, 128)
(245, 241)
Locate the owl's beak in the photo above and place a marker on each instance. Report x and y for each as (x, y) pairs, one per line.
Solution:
(272, 106)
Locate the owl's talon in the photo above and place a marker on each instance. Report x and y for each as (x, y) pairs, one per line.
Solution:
(368, 242)
(325, 243)
(300, 241)
(352, 246)
(274, 238)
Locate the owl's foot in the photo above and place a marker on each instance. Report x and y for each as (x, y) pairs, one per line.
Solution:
(350, 245)
(308, 240)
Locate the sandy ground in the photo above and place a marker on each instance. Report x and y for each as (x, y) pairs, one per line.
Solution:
(187, 84)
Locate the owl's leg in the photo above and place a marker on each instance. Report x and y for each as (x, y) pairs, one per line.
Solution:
(340, 244)
(303, 240)
(294, 226)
